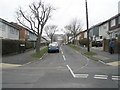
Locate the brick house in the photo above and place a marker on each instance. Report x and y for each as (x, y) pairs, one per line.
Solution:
(114, 26)
(24, 33)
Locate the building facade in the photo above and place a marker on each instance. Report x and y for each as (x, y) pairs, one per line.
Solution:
(114, 26)
(8, 31)
(103, 30)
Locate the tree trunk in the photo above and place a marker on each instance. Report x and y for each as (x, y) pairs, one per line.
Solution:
(74, 40)
(68, 39)
(51, 39)
(38, 44)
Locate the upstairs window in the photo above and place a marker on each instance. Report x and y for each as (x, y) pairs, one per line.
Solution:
(3, 27)
(26, 32)
(112, 23)
(119, 19)
(12, 30)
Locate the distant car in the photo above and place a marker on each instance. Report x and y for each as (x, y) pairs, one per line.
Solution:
(53, 47)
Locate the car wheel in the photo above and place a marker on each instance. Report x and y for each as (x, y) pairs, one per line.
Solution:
(48, 51)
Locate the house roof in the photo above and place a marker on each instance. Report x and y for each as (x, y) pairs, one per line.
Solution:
(22, 27)
(8, 23)
(101, 23)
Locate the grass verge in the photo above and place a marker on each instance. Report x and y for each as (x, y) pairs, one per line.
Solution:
(41, 53)
(90, 53)
(74, 47)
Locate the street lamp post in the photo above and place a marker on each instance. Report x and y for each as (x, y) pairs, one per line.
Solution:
(87, 23)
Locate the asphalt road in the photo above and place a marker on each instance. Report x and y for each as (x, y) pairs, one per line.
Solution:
(67, 69)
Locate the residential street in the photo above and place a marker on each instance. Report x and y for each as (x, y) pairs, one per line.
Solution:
(67, 69)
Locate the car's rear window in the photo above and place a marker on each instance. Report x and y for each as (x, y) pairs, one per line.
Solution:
(53, 45)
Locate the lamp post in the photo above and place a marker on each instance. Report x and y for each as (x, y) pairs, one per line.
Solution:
(87, 23)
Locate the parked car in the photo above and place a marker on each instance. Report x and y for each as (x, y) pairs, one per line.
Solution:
(53, 47)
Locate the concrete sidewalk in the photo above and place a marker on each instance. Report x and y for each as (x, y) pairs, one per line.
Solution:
(102, 56)
(19, 59)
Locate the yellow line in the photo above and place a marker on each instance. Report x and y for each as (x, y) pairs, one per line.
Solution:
(5, 65)
(117, 63)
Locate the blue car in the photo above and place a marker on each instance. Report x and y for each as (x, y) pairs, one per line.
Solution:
(53, 47)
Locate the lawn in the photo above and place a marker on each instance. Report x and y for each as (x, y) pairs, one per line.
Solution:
(74, 47)
(41, 53)
(90, 53)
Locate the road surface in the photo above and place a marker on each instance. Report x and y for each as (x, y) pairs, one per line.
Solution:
(67, 69)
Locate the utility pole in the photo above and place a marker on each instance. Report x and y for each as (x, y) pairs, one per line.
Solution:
(87, 23)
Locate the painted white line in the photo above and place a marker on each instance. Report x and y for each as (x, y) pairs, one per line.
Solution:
(60, 48)
(62, 52)
(77, 52)
(64, 58)
(101, 76)
(86, 59)
(81, 75)
(85, 64)
(71, 71)
(115, 77)
(101, 61)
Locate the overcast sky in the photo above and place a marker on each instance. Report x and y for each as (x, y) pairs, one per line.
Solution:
(99, 10)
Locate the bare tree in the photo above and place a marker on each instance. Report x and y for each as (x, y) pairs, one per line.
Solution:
(74, 28)
(67, 33)
(50, 30)
(35, 19)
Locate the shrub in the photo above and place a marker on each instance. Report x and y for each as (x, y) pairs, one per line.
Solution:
(29, 45)
(83, 42)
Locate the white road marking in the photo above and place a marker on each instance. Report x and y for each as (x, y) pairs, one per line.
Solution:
(60, 48)
(62, 52)
(71, 71)
(115, 77)
(77, 52)
(64, 58)
(101, 76)
(86, 59)
(101, 61)
(81, 75)
(85, 64)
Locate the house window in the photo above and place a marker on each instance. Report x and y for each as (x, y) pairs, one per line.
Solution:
(112, 23)
(16, 32)
(3, 27)
(116, 35)
(12, 30)
(119, 19)
(104, 27)
(26, 32)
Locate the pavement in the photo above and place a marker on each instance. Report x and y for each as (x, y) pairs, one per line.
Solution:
(26, 58)
(102, 56)
(18, 59)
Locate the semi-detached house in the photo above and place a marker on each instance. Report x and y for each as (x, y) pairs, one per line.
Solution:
(8, 31)
(25, 34)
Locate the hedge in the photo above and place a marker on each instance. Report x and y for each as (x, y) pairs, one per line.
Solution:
(83, 42)
(13, 46)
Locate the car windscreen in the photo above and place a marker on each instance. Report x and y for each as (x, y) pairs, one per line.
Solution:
(53, 45)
